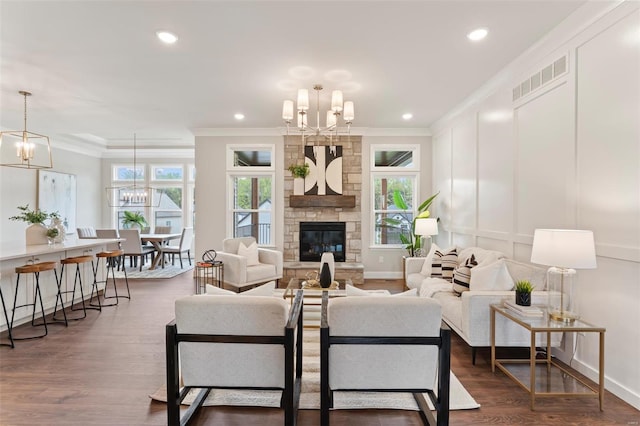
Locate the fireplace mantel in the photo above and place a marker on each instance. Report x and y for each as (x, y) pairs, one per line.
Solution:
(348, 201)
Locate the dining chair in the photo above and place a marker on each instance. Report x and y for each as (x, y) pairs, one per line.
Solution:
(88, 232)
(184, 246)
(162, 230)
(132, 246)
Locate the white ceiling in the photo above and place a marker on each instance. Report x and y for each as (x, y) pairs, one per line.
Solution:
(98, 74)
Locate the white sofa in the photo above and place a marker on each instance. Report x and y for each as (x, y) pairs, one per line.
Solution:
(468, 313)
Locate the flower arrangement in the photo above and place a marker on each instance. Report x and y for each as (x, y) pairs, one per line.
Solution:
(299, 171)
(32, 216)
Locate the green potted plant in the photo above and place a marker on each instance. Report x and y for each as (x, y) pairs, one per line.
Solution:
(299, 172)
(412, 241)
(523, 292)
(36, 232)
(132, 219)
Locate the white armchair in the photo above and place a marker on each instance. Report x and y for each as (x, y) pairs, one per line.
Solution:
(402, 339)
(250, 267)
(235, 342)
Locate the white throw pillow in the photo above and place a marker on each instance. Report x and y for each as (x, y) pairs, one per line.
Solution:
(428, 261)
(263, 290)
(218, 291)
(355, 291)
(493, 276)
(251, 253)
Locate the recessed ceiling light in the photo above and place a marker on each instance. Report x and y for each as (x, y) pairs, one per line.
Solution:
(166, 37)
(478, 34)
(407, 116)
(239, 116)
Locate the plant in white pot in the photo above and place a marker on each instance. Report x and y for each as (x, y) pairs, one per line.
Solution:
(36, 232)
(299, 173)
(132, 219)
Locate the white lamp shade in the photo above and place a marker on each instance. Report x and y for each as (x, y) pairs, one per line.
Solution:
(303, 99)
(348, 113)
(565, 248)
(331, 119)
(287, 110)
(426, 226)
(336, 101)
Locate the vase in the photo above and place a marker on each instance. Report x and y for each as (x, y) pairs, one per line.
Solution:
(35, 234)
(62, 232)
(298, 186)
(523, 299)
(325, 276)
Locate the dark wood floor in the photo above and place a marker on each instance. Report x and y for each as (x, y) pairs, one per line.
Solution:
(101, 370)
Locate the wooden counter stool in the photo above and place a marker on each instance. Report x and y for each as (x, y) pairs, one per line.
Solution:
(111, 258)
(77, 260)
(6, 320)
(35, 269)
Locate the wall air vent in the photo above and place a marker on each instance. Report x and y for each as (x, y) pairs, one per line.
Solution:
(538, 80)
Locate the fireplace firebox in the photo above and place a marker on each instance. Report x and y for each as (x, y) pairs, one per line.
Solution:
(319, 237)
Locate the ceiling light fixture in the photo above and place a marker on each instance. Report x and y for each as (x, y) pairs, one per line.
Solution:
(478, 34)
(166, 37)
(331, 130)
(134, 195)
(407, 116)
(239, 116)
(29, 151)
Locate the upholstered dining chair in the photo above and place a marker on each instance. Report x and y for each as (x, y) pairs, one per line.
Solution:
(247, 265)
(162, 230)
(402, 339)
(183, 247)
(86, 233)
(234, 342)
(132, 246)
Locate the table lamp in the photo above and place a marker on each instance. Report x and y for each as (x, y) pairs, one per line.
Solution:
(426, 227)
(565, 250)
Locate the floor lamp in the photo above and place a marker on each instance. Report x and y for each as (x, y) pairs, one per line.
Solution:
(426, 228)
(565, 250)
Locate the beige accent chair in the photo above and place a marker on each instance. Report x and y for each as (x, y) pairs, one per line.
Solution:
(386, 344)
(133, 248)
(183, 247)
(242, 276)
(243, 342)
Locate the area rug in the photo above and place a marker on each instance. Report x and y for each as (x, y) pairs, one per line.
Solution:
(460, 399)
(168, 271)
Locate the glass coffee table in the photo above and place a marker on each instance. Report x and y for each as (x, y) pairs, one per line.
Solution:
(546, 377)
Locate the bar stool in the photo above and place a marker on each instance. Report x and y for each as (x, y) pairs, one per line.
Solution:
(111, 258)
(34, 269)
(6, 320)
(77, 260)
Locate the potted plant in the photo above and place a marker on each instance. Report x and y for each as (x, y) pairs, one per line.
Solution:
(411, 241)
(132, 219)
(299, 172)
(52, 234)
(36, 232)
(523, 292)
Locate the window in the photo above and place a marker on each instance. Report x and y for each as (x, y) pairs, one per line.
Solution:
(251, 188)
(394, 189)
(125, 173)
(164, 173)
(169, 211)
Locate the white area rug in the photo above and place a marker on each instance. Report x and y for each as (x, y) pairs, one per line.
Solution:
(168, 271)
(460, 399)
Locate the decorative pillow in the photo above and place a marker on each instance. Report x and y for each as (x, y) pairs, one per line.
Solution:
(355, 291)
(408, 293)
(219, 291)
(493, 276)
(251, 253)
(263, 290)
(462, 275)
(449, 263)
(427, 266)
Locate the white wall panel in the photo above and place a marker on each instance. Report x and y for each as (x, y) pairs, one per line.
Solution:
(608, 126)
(441, 206)
(463, 165)
(495, 165)
(545, 164)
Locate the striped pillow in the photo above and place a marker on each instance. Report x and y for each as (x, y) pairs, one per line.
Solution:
(443, 264)
(462, 275)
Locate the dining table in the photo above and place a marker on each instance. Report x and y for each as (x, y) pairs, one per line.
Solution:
(158, 241)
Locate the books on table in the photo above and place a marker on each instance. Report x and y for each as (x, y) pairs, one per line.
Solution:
(527, 311)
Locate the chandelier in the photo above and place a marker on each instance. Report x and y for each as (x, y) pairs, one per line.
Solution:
(133, 195)
(29, 150)
(330, 130)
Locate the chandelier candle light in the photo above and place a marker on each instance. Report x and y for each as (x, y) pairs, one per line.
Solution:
(29, 151)
(338, 108)
(565, 250)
